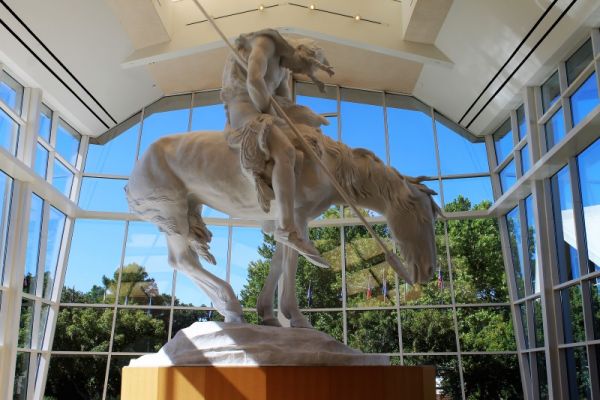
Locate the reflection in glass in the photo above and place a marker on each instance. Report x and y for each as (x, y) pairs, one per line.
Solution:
(21, 376)
(99, 194)
(67, 142)
(503, 140)
(477, 190)
(578, 61)
(521, 122)
(25, 323)
(6, 184)
(9, 133)
(550, 91)
(555, 129)
(93, 267)
(117, 156)
(584, 99)
(141, 330)
(412, 150)
(167, 116)
(513, 223)
(572, 314)
(457, 154)
(525, 159)
(362, 121)
(506, 382)
(589, 176)
(531, 246)
(578, 373)
(542, 375)
(62, 178)
(538, 321)
(83, 329)
(485, 329)
(370, 280)
(373, 331)
(34, 231)
(56, 225)
(146, 276)
(45, 123)
(75, 377)
(41, 161)
(43, 324)
(564, 226)
(447, 377)
(439, 335)
(594, 287)
(249, 261)
(187, 293)
(11, 92)
(524, 323)
(508, 176)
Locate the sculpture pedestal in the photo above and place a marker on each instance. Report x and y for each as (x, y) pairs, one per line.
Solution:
(290, 383)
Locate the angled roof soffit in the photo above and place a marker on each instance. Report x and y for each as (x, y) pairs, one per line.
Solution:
(379, 30)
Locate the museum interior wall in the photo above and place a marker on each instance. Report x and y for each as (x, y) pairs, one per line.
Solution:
(513, 310)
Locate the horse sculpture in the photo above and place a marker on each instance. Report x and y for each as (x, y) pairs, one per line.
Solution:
(180, 173)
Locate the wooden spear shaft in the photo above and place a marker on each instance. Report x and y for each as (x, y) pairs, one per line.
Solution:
(390, 257)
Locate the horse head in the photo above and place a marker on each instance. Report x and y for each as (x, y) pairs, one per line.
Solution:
(411, 219)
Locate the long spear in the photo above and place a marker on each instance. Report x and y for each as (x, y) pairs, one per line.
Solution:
(390, 257)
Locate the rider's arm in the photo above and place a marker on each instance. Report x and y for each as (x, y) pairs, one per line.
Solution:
(263, 49)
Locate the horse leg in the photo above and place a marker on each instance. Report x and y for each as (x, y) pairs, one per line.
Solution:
(289, 301)
(264, 304)
(183, 258)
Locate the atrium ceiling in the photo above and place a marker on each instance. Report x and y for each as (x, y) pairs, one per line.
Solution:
(101, 61)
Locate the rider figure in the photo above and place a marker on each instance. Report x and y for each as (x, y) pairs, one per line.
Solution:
(258, 133)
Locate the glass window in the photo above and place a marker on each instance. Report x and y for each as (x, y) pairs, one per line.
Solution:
(589, 176)
(508, 176)
(514, 232)
(542, 375)
(26, 323)
(62, 178)
(309, 95)
(555, 129)
(43, 324)
(190, 294)
(485, 329)
(248, 253)
(579, 60)
(447, 377)
(99, 194)
(34, 232)
(439, 335)
(21, 376)
(525, 159)
(410, 129)
(67, 142)
(503, 139)
(116, 156)
(362, 121)
(524, 323)
(578, 373)
(457, 154)
(373, 331)
(478, 191)
(146, 276)
(167, 116)
(521, 122)
(5, 207)
(506, 381)
(45, 123)
(564, 226)
(92, 333)
(75, 377)
(531, 246)
(141, 330)
(594, 287)
(9, 133)
(11, 92)
(331, 130)
(56, 225)
(572, 314)
(208, 113)
(550, 91)
(93, 268)
(41, 161)
(584, 99)
(538, 322)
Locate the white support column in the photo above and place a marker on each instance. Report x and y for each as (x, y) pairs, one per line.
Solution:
(28, 139)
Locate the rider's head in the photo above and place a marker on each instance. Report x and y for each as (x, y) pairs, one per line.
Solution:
(307, 59)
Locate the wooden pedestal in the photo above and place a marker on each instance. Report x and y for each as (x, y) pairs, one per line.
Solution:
(275, 383)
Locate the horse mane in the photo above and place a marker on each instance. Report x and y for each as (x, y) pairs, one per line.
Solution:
(355, 167)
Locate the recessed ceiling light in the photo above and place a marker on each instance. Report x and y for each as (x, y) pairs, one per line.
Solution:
(261, 7)
(357, 17)
(312, 6)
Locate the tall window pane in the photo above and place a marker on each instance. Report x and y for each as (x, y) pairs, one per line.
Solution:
(514, 232)
(572, 314)
(67, 142)
(457, 154)
(476, 190)
(56, 225)
(550, 91)
(410, 129)
(62, 178)
(33, 244)
(579, 60)
(41, 161)
(99, 194)
(9, 133)
(208, 113)
(531, 246)
(309, 95)
(521, 122)
(585, 99)
(6, 184)
(362, 121)
(555, 129)
(167, 116)
(11, 92)
(503, 138)
(116, 156)
(45, 123)
(589, 175)
(508, 176)
(525, 159)
(564, 226)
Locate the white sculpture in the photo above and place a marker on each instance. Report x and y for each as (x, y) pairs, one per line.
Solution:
(256, 160)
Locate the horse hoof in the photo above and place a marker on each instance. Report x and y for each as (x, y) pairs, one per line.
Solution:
(271, 322)
(300, 323)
